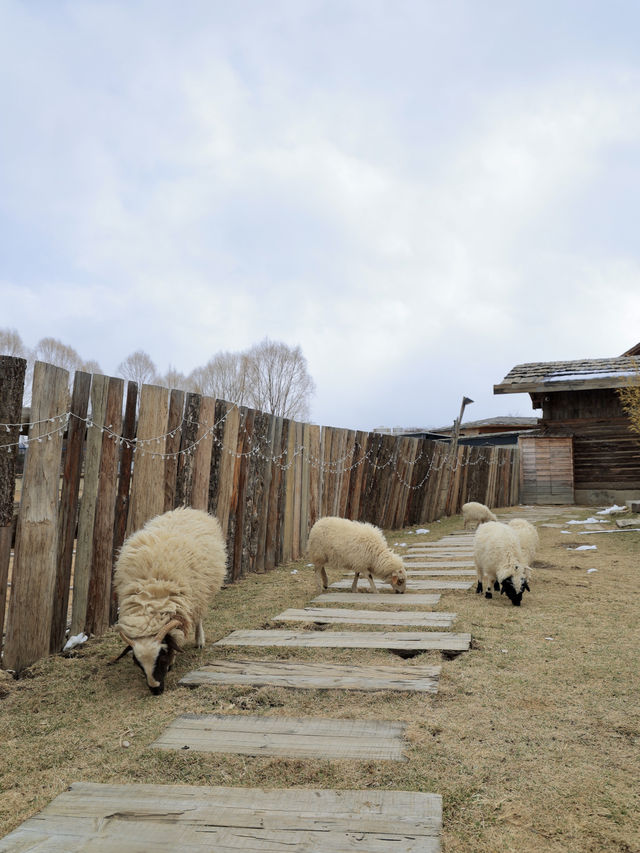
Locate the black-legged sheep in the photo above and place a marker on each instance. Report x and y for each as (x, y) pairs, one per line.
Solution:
(499, 561)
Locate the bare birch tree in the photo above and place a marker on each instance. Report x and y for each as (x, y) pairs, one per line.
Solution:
(11, 344)
(138, 367)
(278, 381)
(224, 376)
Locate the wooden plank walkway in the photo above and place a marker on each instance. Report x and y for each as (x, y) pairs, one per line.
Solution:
(411, 585)
(322, 676)
(399, 640)
(193, 819)
(418, 619)
(292, 737)
(410, 600)
(435, 573)
(445, 564)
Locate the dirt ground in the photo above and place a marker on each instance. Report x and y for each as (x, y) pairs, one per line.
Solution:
(532, 738)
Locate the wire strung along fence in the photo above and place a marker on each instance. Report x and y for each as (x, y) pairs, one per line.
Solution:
(101, 460)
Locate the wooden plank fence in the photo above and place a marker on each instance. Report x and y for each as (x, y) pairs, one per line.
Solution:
(100, 463)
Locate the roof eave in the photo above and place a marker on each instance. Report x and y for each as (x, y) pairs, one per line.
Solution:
(570, 385)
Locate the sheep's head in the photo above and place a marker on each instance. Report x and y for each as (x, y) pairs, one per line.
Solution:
(515, 584)
(399, 575)
(154, 654)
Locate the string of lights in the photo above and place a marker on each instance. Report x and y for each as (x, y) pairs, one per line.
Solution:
(154, 445)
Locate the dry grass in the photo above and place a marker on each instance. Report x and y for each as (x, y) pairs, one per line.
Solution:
(532, 739)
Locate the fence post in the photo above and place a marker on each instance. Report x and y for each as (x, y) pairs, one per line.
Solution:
(34, 565)
(12, 372)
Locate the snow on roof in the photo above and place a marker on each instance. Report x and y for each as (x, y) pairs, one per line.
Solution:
(555, 375)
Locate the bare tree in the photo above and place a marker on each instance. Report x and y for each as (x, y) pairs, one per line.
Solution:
(55, 352)
(138, 367)
(175, 379)
(11, 344)
(278, 380)
(224, 376)
(91, 366)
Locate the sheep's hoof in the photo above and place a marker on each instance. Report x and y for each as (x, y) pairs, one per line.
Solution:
(479, 587)
(488, 594)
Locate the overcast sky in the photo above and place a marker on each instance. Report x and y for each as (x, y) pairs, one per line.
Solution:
(420, 194)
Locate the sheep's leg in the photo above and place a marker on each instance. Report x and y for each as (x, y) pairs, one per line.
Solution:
(354, 585)
(322, 580)
(479, 587)
(487, 586)
(374, 588)
(200, 635)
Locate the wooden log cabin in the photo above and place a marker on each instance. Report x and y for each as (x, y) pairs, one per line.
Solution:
(583, 450)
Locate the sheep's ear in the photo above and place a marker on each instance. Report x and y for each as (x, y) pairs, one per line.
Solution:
(121, 655)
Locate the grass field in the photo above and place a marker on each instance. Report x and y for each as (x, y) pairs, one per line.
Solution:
(532, 739)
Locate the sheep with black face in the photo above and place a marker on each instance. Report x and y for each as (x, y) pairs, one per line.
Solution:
(500, 564)
(166, 574)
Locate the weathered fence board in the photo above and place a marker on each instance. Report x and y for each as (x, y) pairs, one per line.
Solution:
(317, 676)
(147, 487)
(12, 373)
(309, 737)
(102, 558)
(202, 455)
(36, 551)
(168, 818)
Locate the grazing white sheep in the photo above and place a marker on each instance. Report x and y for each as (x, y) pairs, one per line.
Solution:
(499, 561)
(477, 514)
(527, 537)
(165, 576)
(355, 546)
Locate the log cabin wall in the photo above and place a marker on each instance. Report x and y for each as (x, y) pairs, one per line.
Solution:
(606, 453)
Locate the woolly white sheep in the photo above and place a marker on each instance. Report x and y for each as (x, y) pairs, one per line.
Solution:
(165, 576)
(356, 546)
(527, 537)
(499, 561)
(476, 513)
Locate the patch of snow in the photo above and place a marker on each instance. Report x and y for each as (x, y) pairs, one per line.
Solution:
(596, 374)
(422, 530)
(591, 520)
(611, 509)
(294, 572)
(584, 548)
(591, 570)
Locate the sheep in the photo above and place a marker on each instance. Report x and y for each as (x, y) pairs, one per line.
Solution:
(476, 513)
(356, 546)
(165, 576)
(499, 561)
(528, 538)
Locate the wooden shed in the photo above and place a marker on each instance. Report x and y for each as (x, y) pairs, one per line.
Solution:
(583, 449)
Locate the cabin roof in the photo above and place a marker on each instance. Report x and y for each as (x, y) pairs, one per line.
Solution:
(584, 374)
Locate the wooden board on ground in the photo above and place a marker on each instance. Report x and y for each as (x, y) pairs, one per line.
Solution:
(292, 737)
(430, 573)
(400, 640)
(393, 600)
(194, 819)
(319, 676)
(438, 564)
(329, 616)
(411, 585)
